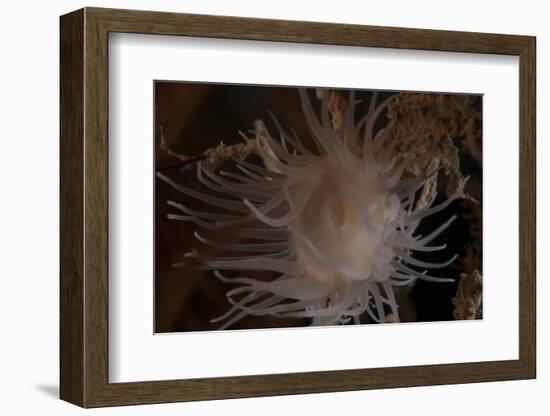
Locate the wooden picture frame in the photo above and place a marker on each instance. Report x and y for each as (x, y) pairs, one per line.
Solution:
(84, 207)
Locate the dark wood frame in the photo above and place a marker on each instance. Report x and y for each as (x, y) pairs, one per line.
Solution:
(84, 213)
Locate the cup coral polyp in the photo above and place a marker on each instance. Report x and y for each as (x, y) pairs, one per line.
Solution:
(337, 224)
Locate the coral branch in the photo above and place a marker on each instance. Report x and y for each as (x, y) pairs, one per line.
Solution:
(211, 158)
(337, 106)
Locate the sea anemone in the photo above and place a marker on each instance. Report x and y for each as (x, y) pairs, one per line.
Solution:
(336, 224)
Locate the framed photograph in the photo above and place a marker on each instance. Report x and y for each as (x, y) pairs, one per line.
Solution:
(261, 207)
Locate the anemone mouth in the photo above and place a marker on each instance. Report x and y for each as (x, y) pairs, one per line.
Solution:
(331, 235)
(337, 225)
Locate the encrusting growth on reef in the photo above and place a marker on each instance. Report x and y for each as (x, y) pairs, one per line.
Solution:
(467, 302)
(424, 126)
